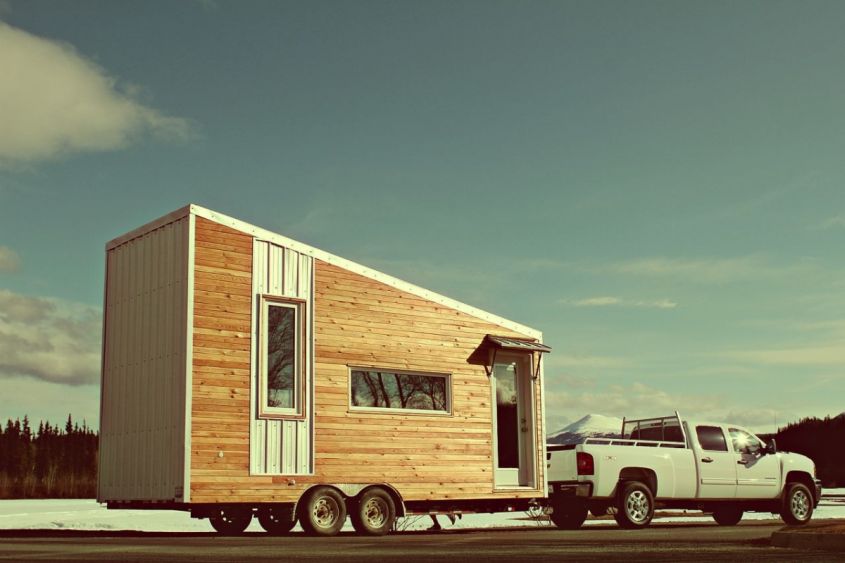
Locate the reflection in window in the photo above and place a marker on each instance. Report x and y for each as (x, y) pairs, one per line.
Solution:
(390, 390)
(281, 361)
(281, 356)
(744, 442)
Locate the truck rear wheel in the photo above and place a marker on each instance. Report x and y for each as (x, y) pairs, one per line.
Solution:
(634, 504)
(727, 515)
(373, 512)
(322, 512)
(568, 514)
(277, 520)
(797, 505)
(230, 521)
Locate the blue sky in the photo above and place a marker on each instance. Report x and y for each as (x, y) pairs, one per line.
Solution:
(658, 186)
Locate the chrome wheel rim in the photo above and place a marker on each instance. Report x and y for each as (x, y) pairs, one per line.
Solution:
(325, 512)
(800, 505)
(375, 512)
(636, 506)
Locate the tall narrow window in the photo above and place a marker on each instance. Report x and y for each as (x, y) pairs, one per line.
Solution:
(281, 359)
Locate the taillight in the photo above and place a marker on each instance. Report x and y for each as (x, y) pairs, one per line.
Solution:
(585, 463)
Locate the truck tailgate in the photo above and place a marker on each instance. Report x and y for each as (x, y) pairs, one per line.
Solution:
(562, 464)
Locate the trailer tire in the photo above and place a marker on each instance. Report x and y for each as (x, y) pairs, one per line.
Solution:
(634, 504)
(568, 514)
(277, 520)
(796, 508)
(373, 512)
(230, 521)
(727, 515)
(322, 511)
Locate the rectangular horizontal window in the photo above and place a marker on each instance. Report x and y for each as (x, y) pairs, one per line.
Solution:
(281, 358)
(399, 390)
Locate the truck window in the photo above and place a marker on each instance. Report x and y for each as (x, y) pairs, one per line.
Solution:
(711, 438)
(744, 443)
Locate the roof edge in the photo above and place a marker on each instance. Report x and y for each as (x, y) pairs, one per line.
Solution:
(327, 257)
(171, 217)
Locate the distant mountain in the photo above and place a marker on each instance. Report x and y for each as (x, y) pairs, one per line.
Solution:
(591, 426)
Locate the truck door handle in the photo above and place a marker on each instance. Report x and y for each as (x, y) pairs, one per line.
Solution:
(742, 462)
(707, 459)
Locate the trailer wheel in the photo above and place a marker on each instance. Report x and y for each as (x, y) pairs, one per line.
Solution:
(230, 521)
(797, 505)
(727, 515)
(277, 520)
(635, 505)
(568, 514)
(322, 512)
(373, 512)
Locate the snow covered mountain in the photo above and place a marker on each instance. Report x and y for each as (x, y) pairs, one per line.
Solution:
(591, 426)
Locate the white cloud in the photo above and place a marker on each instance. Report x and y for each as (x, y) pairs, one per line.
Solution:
(53, 101)
(560, 360)
(639, 400)
(49, 339)
(714, 270)
(609, 301)
(837, 221)
(9, 260)
(820, 355)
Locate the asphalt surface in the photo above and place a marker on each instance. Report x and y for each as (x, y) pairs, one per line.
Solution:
(661, 542)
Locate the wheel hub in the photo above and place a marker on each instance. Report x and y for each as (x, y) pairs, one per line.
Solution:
(800, 505)
(637, 506)
(375, 511)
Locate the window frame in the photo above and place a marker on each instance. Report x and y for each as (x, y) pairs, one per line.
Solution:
(728, 446)
(393, 410)
(298, 412)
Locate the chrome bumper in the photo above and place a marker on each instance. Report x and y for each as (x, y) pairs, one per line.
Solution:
(571, 488)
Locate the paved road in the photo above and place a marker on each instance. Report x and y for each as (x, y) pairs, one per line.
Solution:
(661, 542)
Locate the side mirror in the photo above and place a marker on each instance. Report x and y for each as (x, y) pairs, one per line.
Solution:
(772, 447)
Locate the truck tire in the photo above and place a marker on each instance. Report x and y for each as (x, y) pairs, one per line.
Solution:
(727, 515)
(277, 520)
(568, 514)
(322, 511)
(797, 505)
(230, 521)
(373, 512)
(634, 505)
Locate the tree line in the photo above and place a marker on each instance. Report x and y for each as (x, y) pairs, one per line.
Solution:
(48, 462)
(61, 462)
(823, 441)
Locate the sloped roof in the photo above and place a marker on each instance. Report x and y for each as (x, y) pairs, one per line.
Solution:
(264, 234)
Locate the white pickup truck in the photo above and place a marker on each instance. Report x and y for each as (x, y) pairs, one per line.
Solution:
(672, 463)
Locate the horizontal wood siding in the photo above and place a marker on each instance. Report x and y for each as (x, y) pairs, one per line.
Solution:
(357, 321)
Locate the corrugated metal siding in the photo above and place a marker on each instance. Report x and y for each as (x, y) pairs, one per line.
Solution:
(281, 447)
(142, 426)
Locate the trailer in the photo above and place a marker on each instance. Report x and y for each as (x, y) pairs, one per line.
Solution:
(246, 374)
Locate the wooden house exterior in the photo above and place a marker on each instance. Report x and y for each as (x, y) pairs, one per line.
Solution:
(243, 371)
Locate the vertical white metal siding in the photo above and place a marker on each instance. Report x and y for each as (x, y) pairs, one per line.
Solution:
(281, 447)
(143, 393)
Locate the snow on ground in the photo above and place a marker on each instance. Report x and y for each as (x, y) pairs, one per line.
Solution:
(86, 514)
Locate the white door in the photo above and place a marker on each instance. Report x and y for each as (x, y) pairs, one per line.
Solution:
(716, 463)
(513, 422)
(757, 474)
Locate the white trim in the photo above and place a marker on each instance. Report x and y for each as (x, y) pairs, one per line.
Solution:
(151, 226)
(280, 240)
(527, 445)
(189, 357)
(265, 411)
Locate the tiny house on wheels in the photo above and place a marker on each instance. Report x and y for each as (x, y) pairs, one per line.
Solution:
(249, 375)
